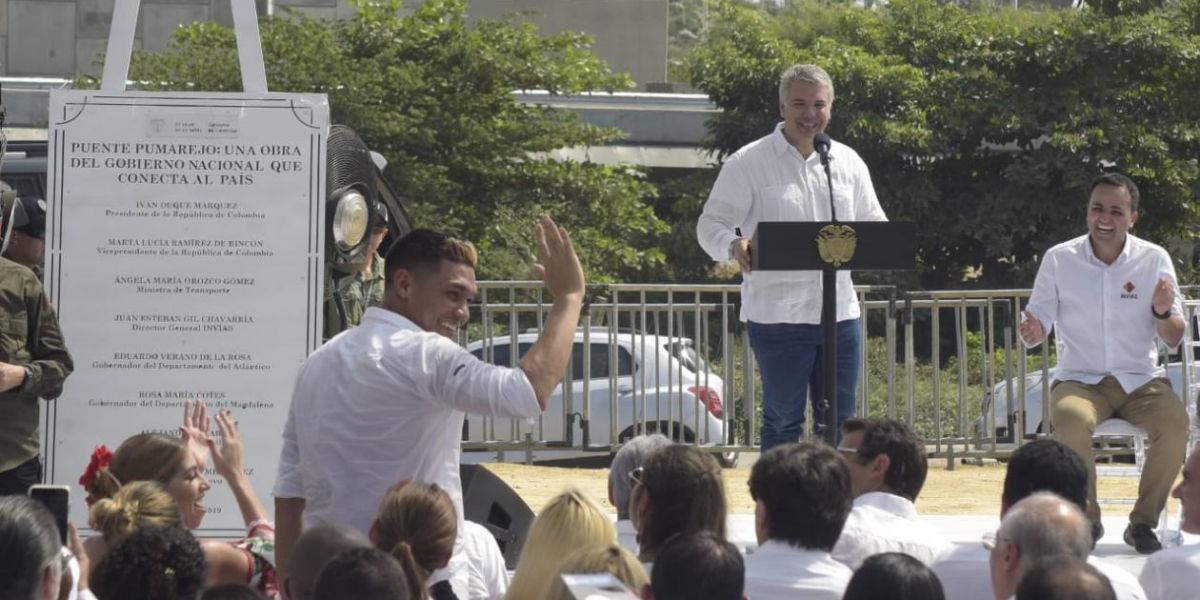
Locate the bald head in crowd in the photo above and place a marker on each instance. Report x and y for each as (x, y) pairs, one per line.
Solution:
(313, 549)
(1064, 578)
(1038, 527)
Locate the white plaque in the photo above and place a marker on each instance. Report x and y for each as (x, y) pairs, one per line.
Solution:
(184, 242)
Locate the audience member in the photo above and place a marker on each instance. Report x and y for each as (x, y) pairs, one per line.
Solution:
(314, 548)
(160, 562)
(1038, 527)
(232, 591)
(802, 497)
(895, 576)
(31, 566)
(417, 525)
(1065, 578)
(179, 464)
(613, 558)
(697, 566)
(134, 506)
(1044, 465)
(887, 471)
(487, 572)
(365, 574)
(569, 521)
(680, 490)
(1174, 573)
(631, 456)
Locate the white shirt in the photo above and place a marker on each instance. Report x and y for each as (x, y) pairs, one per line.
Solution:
(966, 574)
(1173, 574)
(882, 522)
(768, 180)
(1101, 313)
(382, 402)
(627, 536)
(778, 570)
(488, 574)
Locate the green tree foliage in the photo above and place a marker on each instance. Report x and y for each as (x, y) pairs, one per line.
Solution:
(432, 92)
(984, 125)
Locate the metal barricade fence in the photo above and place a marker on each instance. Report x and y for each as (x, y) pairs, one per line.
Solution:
(674, 359)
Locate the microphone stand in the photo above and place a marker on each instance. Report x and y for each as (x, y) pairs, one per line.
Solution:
(829, 429)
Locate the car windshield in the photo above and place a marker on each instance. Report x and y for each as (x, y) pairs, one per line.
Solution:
(687, 356)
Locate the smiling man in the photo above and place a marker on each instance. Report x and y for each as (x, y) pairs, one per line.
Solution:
(384, 401)
(1109, 294)
(780, 178)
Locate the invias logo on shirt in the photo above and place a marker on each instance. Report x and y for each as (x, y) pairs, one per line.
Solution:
(1129, 287)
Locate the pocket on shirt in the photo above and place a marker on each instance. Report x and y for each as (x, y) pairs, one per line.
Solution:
(14, 328)
(843, 201)
(784, 203)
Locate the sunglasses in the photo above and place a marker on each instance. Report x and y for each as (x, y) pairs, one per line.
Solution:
(635, 477)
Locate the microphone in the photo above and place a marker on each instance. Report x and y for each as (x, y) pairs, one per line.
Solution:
(821, 144)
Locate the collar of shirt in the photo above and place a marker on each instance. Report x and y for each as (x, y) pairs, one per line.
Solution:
(781, 145)
(384, 315)
(889, 503)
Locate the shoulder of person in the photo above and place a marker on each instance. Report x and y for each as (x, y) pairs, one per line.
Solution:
(764, 146)
(1143, 246)
(1075, 246)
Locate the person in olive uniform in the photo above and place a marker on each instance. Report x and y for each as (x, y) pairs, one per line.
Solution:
(34, 362)
(26, 243)
(357, 291)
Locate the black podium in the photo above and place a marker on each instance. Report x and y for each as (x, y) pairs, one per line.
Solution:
(830, 247)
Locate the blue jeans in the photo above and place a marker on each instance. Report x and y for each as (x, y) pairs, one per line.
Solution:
(789, 359)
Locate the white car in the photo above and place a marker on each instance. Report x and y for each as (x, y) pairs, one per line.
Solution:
(657, 383)
(1006, 410)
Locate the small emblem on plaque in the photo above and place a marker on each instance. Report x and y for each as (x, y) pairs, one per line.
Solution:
(836, 244)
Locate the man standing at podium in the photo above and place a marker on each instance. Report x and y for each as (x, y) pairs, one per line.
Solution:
(779, 177)
(1108, 295)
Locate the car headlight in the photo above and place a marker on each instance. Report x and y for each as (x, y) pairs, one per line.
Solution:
(350, 220)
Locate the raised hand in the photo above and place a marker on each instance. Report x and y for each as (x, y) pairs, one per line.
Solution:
(194, 431)
(1164, 296)
(229, 457)
(558, 266)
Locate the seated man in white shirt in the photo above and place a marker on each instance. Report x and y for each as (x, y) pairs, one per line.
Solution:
(1039, 527)
(887, 471)
(802, 496)
(1040, 466)
(488, 574)
(1108, 295)
(385, 401)
(1064, 578)
(630, 457)
(1174, 574)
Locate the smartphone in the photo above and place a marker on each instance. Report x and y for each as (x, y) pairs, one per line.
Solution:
(597, 586)
(57, 498)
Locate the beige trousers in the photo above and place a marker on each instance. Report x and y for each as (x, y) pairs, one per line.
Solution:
(1076, 408)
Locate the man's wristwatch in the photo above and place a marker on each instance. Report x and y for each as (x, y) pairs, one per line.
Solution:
(1160, 316)
(27, 381)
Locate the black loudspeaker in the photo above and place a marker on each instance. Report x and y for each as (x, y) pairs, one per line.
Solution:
(489, 501)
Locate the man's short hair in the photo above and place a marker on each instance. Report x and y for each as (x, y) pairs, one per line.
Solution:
(1046, 465)
(1064, 578)
(312, 550)
(894, 576)
(804, 73)
(698, 566)
(1117, 180)
(364, 574)
(906, 450)
(156, 561)
(631, 456)
(28, 543)
(1044, 525)
(806, 491)
(426, 248)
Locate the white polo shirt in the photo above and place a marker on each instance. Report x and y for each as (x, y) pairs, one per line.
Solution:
(779, 571)
(965, 574)
(1102, 313)
(488, 573)
(768, 180)
(882, 522)
(1173, 574)
(382, 402)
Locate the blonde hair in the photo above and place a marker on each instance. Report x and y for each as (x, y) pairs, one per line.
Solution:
(417, 524)
(567, 522)
(134, 506)
(600, 559)
(143, 457)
